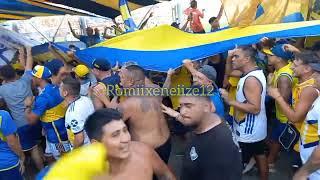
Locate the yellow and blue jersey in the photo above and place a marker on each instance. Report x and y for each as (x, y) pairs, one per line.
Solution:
(51, 110)
(8, 159)
(296, 93)
(284, 71)
(310, 130)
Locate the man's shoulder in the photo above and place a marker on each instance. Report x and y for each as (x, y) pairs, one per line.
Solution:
(84, 104)
(80, 106)
(218, 132)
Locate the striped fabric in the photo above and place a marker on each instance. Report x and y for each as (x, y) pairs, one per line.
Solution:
(24, 9)
(106, 8)
(126, 16)
(165, 47)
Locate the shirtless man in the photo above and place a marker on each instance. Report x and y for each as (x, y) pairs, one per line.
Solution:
(142, 114)
(127, 159)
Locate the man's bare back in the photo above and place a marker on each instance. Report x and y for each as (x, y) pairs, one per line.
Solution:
(145, 120)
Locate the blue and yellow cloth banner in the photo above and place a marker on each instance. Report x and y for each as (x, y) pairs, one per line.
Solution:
(315, 11)
(253, 12)
(126, 16)
(240, 13)
(275, 11)
(24, 9)
(165, 47)
(314, 15)
(106, 8)
(41, 53)
(10, 42)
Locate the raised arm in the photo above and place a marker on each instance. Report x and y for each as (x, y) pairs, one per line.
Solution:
(220, 13)
(29, 62)
(167, 82)
(184, 27)
(22, 59)
(298, 114)
(73, 32)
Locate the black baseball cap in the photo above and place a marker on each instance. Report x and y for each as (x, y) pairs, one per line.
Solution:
(101, 64)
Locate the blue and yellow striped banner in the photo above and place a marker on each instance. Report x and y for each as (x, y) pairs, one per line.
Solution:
(165, 47)
(106, 8)
(126, 16)
(41, 52)
(253, 12)
(24, 9)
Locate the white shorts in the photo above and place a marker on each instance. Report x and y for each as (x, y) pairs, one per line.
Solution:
(57, 149)
(305, 153)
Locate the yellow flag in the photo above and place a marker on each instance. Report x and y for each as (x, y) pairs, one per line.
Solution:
(275, 11)
(240, 12)
(254, 12)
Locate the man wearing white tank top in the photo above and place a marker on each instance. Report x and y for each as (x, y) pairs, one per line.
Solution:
(250, 120)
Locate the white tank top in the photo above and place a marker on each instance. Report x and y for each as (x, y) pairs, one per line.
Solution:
(251, 127)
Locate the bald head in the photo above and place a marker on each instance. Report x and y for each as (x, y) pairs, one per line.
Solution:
(136, 74)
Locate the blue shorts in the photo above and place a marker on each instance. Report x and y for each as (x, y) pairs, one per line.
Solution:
(11, 174)
(277, 129)
(29, 136)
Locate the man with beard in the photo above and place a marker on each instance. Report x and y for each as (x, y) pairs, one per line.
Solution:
(211, 153)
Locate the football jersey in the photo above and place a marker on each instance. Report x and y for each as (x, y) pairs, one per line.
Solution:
(76, 116)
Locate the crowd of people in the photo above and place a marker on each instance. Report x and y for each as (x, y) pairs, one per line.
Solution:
(243, 108)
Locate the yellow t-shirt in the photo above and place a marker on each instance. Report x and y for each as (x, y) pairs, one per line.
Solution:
(232, 91)
(296, 97)
(182, 79)
(284, 71)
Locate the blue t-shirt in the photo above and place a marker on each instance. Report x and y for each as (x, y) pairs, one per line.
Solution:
(218, 103)
(8, 159)
(90, 40)
(48, 106)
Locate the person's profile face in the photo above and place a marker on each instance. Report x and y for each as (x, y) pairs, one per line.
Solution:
(272, 60)
(63, 92)
(125, 80)
(297, 67)
(238, 59)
